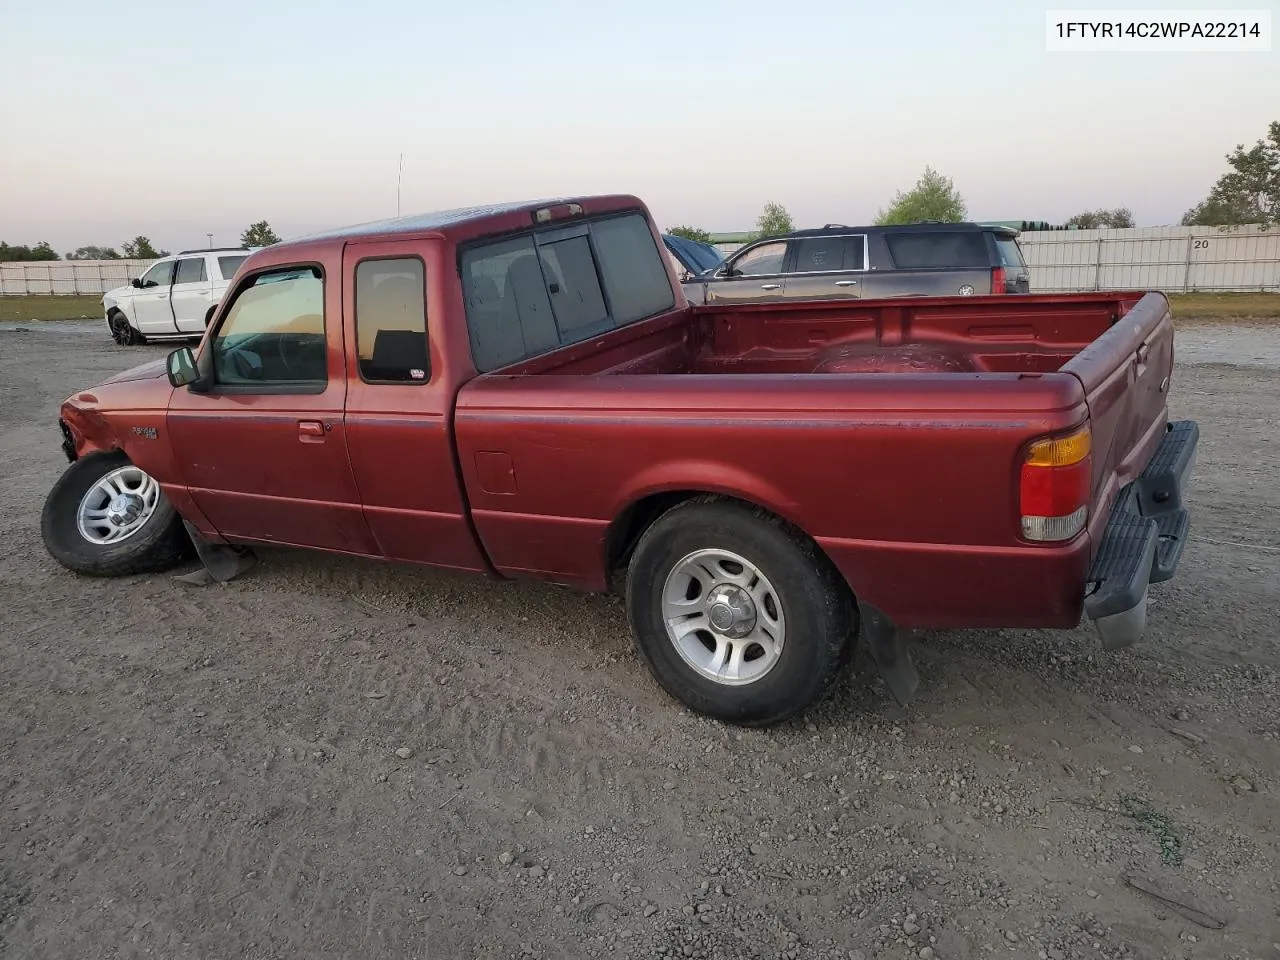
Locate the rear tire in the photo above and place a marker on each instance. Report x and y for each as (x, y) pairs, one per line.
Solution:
(737, 615)
(123, 332)
(107, 518)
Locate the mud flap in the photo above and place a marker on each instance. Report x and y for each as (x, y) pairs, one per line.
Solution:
(889, 648)
(221, 562)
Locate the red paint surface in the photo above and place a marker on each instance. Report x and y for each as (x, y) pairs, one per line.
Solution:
(890, 431)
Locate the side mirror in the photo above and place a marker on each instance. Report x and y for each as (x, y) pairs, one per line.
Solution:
(136, 282)
(181, 367)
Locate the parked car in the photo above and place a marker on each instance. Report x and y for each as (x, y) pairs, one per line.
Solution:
(174, 298)
(839, 262)
(523, 391)
(692, 257)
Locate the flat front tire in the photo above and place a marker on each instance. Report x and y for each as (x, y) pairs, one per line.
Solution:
(105, 517)
(737, 615)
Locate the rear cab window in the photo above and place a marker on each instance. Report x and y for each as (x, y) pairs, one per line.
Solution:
(548, 288)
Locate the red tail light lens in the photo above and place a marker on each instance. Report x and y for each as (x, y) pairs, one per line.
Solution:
(998, 284)
(1054, 486)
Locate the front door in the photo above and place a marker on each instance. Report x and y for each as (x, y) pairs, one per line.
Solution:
(264, 450)
(192, 294)
(757, 275)
(151, 310)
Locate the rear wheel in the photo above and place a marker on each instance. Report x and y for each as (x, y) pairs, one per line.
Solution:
(737, 615)
(123, 332)
(106, 517)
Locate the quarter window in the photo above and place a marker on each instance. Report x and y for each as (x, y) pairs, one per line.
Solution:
(764, 260)
(945, 249)
(227, 266)
(391, 321)
(273, 333)
(191, 270)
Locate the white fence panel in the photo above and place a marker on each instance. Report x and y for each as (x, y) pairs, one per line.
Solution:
(68, 276)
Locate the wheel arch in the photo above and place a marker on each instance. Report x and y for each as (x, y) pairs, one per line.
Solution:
(631, 522)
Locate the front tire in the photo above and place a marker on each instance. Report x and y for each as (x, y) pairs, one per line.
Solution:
(737, 615)
(107, 518)
(123, 332)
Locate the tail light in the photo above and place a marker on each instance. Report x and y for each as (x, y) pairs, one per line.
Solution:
(998, 284)
(1054, 486)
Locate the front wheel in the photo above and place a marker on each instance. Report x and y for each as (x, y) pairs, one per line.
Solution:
(737, 615)
(105, 517)
(123, 332)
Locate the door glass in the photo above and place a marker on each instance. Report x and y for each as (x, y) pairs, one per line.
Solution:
(762, 261)
(856, 253)
(391, 321)
(820, 255)
(158, 276)
(191, 270)
(274, 331)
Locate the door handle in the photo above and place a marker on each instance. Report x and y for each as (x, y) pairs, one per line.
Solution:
(310, 431)
(846, 283)
(770, 286)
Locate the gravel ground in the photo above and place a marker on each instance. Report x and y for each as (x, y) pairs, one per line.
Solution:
(334, 758)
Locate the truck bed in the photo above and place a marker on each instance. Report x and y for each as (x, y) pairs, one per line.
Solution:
(889, 431)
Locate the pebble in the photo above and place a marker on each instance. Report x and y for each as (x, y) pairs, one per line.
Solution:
(1135, 749)
(1182, 716)
(505, 858)
(910, 929)
(1092, 893)
(536, 872)
(404, 753)
(459, 871)
(1241, 784)
(926, 953)
(650, 910)
(1011, 936)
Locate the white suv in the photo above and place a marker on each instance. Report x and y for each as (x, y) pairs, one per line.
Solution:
(174, 299)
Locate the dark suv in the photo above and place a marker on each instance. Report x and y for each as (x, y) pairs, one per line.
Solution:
(918, 259)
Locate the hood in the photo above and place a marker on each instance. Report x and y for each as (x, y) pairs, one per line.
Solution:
(115, 293)
(696, 257)
(146, 371)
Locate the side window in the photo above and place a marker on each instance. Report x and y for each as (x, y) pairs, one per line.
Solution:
(524, 298)
(227, 266)
(191, 270)
(273, 332)
(159, 276)
(391, 321)
(763, 260)
(820, 255)
(944, 249)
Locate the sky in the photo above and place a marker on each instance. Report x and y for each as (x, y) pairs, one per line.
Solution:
(176, 120)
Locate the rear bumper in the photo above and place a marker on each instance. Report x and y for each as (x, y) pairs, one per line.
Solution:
(1143, 540)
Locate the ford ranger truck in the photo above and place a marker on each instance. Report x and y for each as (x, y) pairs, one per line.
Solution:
(523, 391)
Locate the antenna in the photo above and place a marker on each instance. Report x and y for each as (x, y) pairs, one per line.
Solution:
(399, 175)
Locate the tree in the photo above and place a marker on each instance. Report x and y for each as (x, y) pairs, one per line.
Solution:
(690, 233)
(1250, 193)
(259, 234)
(1117, 219)
(94, 253)
(140, 248)
(23, 253)
(932, 198)
(774, 221)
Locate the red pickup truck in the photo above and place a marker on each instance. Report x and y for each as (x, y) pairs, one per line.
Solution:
(522, 391)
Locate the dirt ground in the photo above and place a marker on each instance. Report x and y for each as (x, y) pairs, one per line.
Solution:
(332, 758)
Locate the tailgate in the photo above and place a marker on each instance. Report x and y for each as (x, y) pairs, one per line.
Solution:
(1125, 374)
